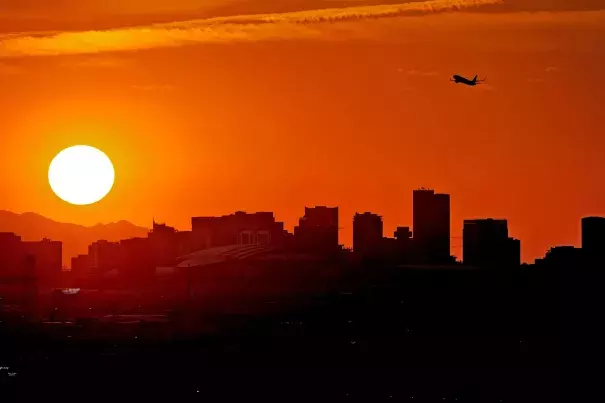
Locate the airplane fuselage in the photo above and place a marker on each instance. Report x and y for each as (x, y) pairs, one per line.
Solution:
(459, 79)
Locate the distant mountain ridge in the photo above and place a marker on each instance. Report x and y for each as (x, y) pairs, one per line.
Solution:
(75, 238)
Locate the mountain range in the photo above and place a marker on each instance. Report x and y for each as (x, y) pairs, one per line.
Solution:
(75, 238)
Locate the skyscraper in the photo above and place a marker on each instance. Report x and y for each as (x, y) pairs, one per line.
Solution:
(367, 233)
(163, 241)
(486, 243)
(238, 228)
(321, 216)
(593, 237)
(317, 231)
(103, 256)
(46, 256)
(431, 218)
(138, 258)
(11, 254)
(512, 254)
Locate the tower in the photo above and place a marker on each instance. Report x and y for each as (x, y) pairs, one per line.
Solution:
(431, 226)
(367, 233)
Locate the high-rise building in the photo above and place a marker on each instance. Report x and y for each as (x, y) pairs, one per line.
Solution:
(238, 228)
(137, 257)
(104, 256)
(80, 265)
(512, 255)
(486, 243)
(46, 257)
(562, 257)
(367, 233)
(42, 259)
(164, 244)
(205, 231)
(398, 250)
(431, 218)
(257, 228)
(11, 255)
(593, 238)
(317, 231)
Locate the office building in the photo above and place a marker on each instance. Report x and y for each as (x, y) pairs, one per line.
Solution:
(137, 257)
(240, 228)
(512, 255)
(318, 230)
(44, 258)
(367, 233)
(205, 231)
(486, 243)
(185, 243)
(11, 255)
(80, 265)
(163, 243)
(562, 257)
(593, 238)
(104, 256)
(431, 222)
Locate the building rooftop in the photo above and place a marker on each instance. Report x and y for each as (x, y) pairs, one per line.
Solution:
(209, 256)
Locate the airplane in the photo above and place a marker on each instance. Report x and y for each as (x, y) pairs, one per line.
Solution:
(459, 79)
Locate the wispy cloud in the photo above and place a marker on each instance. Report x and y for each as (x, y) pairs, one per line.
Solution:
(550, 5)
(421, 73)
(305, 24)
(549, 71)
(96, 61)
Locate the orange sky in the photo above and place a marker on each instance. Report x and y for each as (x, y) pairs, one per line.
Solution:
(249, 112)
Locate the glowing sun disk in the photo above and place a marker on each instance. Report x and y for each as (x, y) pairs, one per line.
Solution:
(81, 175)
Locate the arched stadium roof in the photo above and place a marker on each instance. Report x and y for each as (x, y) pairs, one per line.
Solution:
(209, 256)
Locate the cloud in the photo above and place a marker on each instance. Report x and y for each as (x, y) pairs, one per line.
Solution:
(421, 73)
(301, 24)
(549, 5)
(95, 61)
(541, 80)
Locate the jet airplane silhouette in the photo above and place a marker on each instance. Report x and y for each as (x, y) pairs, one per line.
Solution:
(462, 80)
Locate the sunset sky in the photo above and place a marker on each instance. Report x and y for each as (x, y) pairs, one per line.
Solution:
(211, 106)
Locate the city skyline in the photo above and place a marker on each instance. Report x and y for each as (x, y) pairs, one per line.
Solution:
(312, 200)
(347, 240)
(431, 239)
(351, 113)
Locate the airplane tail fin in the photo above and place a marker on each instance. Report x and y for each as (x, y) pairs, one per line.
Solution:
(475, 79)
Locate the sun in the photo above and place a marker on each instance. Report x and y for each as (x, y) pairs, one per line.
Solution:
(81, 175)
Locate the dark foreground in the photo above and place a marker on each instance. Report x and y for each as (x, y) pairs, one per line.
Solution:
(378, 335)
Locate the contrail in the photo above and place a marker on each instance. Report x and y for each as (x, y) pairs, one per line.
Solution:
(357, 13)
(220, 29)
